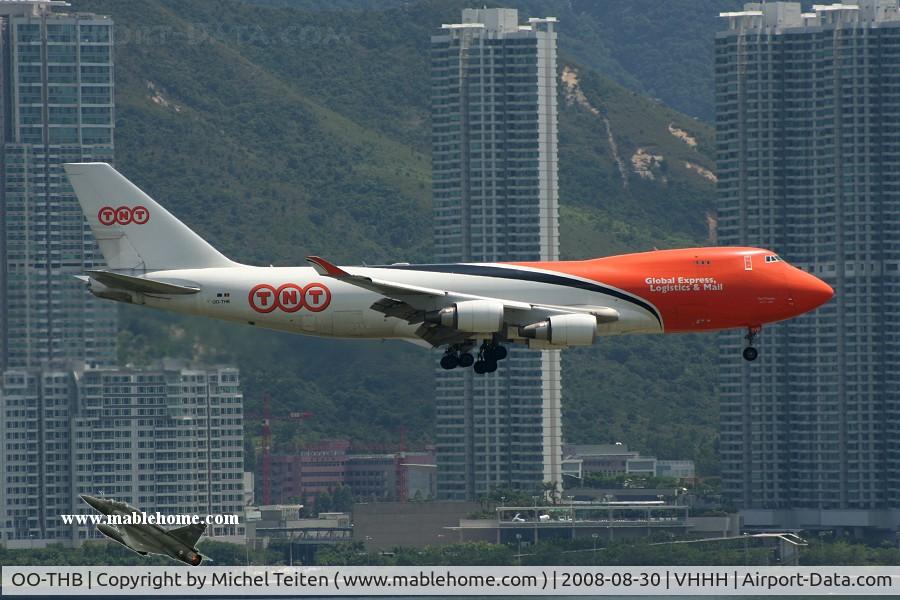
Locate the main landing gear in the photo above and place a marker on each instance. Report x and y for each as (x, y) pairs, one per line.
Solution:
(460, 355)
(750, 353)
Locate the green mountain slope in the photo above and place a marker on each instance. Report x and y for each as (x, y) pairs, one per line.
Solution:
(660, 49)
(276, 133)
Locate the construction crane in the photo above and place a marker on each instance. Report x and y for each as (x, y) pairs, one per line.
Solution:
(267, 419)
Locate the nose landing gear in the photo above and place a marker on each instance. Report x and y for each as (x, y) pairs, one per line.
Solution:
(750, 353)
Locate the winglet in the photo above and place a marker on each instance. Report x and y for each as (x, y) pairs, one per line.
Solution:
(323, 267)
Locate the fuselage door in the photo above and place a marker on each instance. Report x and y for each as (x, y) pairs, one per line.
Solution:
(694, 311)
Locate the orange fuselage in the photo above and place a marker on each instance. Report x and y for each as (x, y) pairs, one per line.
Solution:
(701, 289)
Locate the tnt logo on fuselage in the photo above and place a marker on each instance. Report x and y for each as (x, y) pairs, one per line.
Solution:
(124, 215)
(290, 297)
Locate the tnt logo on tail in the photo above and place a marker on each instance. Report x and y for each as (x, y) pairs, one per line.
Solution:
(123, 215)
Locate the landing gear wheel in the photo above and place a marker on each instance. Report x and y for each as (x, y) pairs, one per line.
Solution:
(480, 367)
(466, 360)
(490, 366)
(493, 352)
(750, 353)
(449, 361)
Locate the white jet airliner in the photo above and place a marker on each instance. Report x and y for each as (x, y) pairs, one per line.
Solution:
(153, 259)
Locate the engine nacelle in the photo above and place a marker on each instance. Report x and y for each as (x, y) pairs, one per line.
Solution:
(563, 330)
(471, 316)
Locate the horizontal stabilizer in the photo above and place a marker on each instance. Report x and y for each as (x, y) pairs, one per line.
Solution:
(140, 284)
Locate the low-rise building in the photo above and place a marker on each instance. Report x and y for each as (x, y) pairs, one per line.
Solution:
(610, 460)
(317, 468)
(607, 521)
(676, 469)
(641, 465)
(283, 523)
(392, 477)
(327, 465)
(600, 459)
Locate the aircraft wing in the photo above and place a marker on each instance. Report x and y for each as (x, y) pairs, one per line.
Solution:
(392, 289)
(411, 302)
(121, 535)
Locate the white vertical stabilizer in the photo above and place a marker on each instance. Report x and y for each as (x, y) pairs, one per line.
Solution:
(133, 231)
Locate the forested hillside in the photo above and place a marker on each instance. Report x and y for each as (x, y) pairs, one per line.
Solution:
(661, 49)
(276, 133)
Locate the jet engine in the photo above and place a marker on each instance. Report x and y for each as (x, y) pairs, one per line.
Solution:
(191, 557)
(563, 330)
(471, 316)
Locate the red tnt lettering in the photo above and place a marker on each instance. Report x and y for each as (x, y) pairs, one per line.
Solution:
(123, 215)
(106, 215)
(140, 215)
(316, 297)
(262, 298)
(290, 297)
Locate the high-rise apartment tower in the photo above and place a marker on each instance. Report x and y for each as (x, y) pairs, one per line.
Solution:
(56, 106)
(808, 149)
(496, 198)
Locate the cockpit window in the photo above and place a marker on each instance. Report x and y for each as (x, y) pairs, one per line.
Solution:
(773, 258)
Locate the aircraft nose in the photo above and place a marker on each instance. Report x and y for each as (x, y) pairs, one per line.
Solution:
(810, 292)
(95, 503)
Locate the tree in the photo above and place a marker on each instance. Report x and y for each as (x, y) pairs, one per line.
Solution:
(324, 502)
(342, 499)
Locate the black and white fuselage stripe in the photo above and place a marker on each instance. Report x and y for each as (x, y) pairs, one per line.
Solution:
(523, 273)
